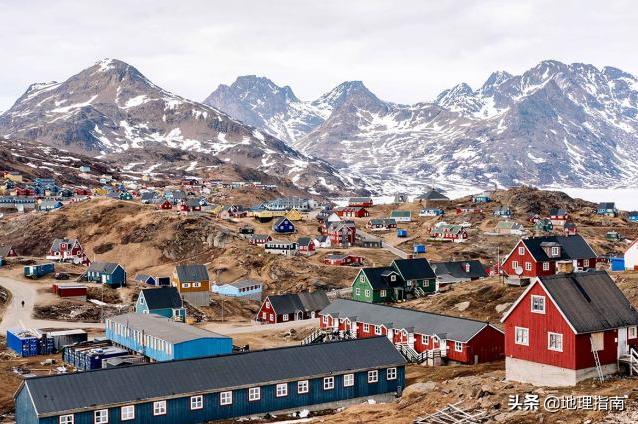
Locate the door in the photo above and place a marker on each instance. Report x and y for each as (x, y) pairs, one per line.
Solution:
(623, 348)
(411, 340)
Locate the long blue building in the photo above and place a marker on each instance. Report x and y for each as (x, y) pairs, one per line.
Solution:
(289, 379)
(163, 339)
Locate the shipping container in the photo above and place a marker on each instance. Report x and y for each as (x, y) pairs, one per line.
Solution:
(23, 341)
(163, 281)
(419, 248)
(402, 233)
(90, 355)
(617, 264)
(37, 271)
(122, 361)
(67, 337)
(78, 291)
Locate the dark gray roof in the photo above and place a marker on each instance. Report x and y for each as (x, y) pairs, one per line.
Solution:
(164, 328)
(293, 302)
(558, 212)
(458, 269)
(606, 205)
(591, 301)
(53, 395)
(572, 247)
(104, 267)
(433, 195)
(192, 273)
(378, 276)
(444, 326)
(162, 298)
(414, 269)
(143, 278)
(57, 242)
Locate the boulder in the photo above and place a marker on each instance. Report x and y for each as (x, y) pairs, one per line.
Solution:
(462, 306)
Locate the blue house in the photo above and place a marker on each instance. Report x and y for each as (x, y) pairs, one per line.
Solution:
(164, 301)
(283, 225)
(314, 377)
(108, 273)
(607, 209)
(161, 339)
(633, 217)
(481, 198)
(249, 289)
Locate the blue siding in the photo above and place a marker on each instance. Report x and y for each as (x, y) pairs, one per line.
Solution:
(25, 413)
(179, 412)
(230, 290)
(117, 278)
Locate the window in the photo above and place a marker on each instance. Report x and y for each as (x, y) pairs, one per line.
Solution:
(357, 291)
(521, 336)
(362, 278)
(101, 416)
(264, 315)
(159, 407)
(226, 398)
(284, 317)
(367, 293)
(254, 393)
(268, 304)
(391, 373)
(555, 342)
(197, 285)
(528, 266)
(393, 278)
(373, 376)
(141, 300)
(302, 386)
(366, 328)
(282, 389)
(186, 285)
(586, 263)
(382, 293)
(377, 330)
(328, 383)
(324, 319)
(538, 304)
(66, 419)
(197, 402)
(514, 265)
(555, 251)
(632, 332)
(127, 412)
(425, 339)
(458, 347)
(521, 251)
(348, 380)
(272, 317)
(545, 266)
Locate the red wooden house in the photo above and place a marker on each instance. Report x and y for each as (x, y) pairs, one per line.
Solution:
(341, 233)
(457, 339)
(570, 229)
(24, 192)
(68, 250)
(291, 307)
(351, 212)
(540, 256)
(560, 323)
(166, 205)
(259, 239)
(558, 216)
(339, 259)
(76, 291)
(82, 191)
(306, 246)
(7, 252)
(365, 202)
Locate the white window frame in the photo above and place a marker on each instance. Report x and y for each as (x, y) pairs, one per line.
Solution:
(324, 319)
(377, 330)
(348, 380)
(391, 374)
(159, 408)
(555, 251)
(127, 412)
(284, 317)
(373, 376)
(101, 416)
(545, 266)
(458, 347)
(559, 338)
(523, 332)
(267, 304)
(586, 263)
(197, 285)
(254, 394)
(303, 386)
(383, 293)
(367, 293)
(632, 332)
(538, 311)
(521, 251)
(186, 285)
(366, 328)
(328, 383)
(528, 266)
(226, 398)
(357, 291)
(514, 265)
(281, 390)
(425, 339)
(393, 278)
(66, 419)
(197, 402)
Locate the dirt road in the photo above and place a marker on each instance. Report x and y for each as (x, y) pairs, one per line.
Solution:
(390, 248)
(17, 316)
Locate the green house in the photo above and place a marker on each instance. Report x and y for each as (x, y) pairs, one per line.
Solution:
(125, 195)
(403, 279)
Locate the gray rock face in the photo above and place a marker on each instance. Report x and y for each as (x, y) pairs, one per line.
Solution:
(554, 125)
(111, 108)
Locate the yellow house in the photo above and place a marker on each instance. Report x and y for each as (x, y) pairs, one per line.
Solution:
(294, 215)
(13, 176)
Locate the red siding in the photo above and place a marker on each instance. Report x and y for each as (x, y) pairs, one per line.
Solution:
(537, 267)
(271, 316)
(488, 344)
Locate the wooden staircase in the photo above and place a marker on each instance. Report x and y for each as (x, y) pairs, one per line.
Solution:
(631, 359)
(410, 354)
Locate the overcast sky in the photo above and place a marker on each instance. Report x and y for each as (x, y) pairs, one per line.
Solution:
(404, 51)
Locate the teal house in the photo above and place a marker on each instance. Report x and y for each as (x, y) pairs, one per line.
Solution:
(164, 301)
(108, 273)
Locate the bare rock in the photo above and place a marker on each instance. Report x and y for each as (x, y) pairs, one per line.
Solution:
(500, 308)
(462, 306)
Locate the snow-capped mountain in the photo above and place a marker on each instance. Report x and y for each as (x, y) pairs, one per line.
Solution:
(111, 108)
(553, 125)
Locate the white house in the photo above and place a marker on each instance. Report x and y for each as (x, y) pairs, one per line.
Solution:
(631, 256)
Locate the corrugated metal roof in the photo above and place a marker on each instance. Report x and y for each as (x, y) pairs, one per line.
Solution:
(414, 269)
(446, 327)
(591, 301)
(293, 302)
(105, 267)
(192, 273)
(53, 395)
(163, 328)
(458, 269)
(162, 298)
(572, 247)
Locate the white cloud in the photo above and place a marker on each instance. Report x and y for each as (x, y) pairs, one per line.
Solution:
(404, 51)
